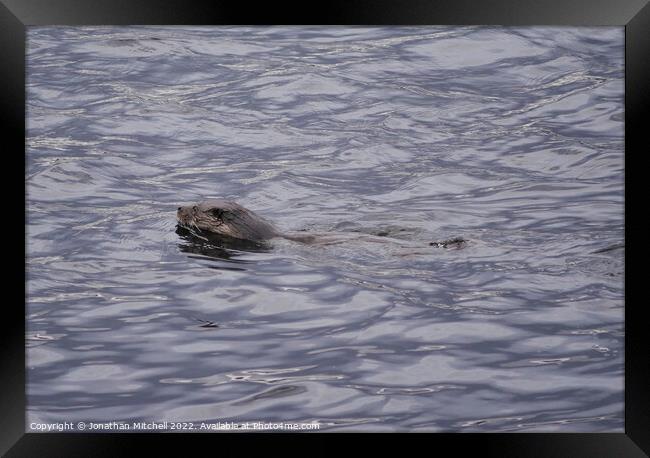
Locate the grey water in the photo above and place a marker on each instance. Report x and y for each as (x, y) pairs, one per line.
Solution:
(511, 138)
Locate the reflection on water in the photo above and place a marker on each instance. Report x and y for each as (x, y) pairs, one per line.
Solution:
(381, 141)
(215, 246)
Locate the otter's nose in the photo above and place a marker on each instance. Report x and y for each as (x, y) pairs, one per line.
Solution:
(179, 208)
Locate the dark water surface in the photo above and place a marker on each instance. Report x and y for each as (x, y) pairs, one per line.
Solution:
(511, 138)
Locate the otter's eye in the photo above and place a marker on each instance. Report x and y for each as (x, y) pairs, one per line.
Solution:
(195, 208)
(216, 212)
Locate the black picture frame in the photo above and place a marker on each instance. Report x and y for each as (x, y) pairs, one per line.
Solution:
(16, 15)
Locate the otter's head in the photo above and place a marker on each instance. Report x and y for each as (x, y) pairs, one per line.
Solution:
(225, 218)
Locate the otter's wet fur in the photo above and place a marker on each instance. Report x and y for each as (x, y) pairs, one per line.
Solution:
(226, 218)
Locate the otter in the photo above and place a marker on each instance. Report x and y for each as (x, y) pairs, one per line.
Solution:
(229, 220)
